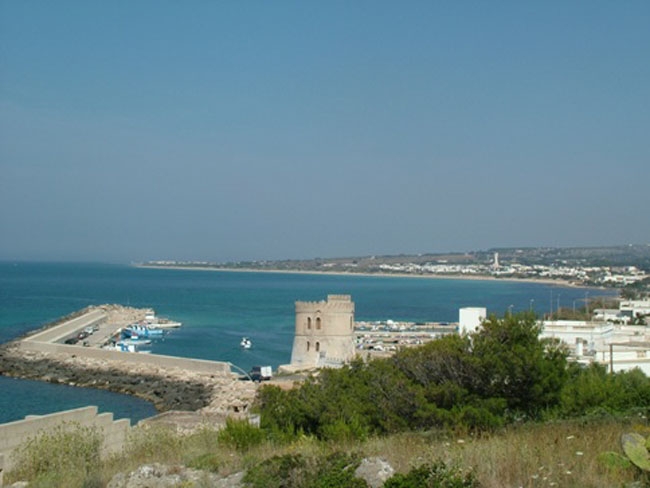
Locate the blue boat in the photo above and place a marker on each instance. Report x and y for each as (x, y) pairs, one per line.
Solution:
(136, 331)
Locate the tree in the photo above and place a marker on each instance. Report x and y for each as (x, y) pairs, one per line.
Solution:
(518, 366)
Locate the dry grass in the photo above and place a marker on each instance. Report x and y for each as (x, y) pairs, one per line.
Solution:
(535, 455)
(563, 454)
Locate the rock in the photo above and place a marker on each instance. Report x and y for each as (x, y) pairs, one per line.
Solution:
(374, 471)
(163, 476)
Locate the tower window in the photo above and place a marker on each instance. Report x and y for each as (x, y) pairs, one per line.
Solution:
(318, 323)
(317, 346)
(308, 322)
(307, 346)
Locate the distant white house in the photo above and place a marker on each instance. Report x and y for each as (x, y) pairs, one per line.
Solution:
(619, 347)
(635, 308)
(613, 315)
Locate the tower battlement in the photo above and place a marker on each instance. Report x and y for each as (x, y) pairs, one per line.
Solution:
(334, 303)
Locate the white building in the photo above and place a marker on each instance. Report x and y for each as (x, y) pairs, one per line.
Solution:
(619, 347)
(612, 315)
(635, 308)
(470, 318)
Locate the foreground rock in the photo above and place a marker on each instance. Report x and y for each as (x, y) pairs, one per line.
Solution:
(374, 471)
(161, 476)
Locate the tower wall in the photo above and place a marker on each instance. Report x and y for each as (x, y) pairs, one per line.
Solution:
(324, 332)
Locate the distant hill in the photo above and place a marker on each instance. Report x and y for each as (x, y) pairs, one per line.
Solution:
(637, 255)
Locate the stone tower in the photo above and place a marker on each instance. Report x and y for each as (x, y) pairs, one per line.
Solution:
(324, 333)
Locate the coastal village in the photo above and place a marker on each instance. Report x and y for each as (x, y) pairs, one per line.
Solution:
(610, 267)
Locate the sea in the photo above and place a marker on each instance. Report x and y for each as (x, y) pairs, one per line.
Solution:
(218, 308)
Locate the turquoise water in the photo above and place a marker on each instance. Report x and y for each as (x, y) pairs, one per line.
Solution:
(218, 308)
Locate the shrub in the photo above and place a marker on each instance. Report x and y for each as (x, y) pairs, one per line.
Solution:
(277, 472)
(241, 435)
(436, 475)
(298, 471)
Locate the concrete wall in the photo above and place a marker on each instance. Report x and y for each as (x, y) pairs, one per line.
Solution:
(197, 365)
(14, 434)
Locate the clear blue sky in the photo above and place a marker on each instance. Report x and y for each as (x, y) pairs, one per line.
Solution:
(209, 130)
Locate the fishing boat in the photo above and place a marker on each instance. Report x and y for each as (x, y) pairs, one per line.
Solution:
(245, 343)
(136, 331)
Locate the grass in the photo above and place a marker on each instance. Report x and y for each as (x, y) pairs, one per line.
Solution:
(561, 454)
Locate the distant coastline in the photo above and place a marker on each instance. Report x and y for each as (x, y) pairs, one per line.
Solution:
(542, 281)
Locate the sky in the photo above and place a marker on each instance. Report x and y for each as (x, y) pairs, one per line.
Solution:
(256, 130)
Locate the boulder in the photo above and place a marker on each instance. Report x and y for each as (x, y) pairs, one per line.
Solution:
(374, 471)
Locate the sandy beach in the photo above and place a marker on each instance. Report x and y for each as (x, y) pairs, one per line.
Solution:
(545, 281)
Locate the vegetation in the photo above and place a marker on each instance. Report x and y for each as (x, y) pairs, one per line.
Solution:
(586, 452)
(433, 475)
(475, 382)
(455, 412)
(68, 455)
(636, 291)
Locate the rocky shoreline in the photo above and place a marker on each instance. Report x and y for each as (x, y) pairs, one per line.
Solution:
(210, 396)
(164, 391)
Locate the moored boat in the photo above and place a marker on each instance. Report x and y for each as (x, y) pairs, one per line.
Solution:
(136, 331)
(160, 322)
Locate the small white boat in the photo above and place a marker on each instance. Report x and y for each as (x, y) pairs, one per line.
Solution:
(245, 343)
(159, 322)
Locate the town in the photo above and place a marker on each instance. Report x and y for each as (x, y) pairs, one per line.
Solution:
(616, 267)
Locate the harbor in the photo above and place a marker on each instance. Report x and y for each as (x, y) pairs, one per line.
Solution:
(170, 383)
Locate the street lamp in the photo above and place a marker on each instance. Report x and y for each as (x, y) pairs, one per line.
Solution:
(240, 369)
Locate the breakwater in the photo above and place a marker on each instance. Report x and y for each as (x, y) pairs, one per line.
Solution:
(170, 383)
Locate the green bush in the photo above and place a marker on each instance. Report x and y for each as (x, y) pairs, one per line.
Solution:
(278, 472)
(298, 471)
(241, 435)
(68, 455)
(591, 390)
(437, 475)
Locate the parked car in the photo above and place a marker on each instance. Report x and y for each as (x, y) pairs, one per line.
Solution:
(261, 373)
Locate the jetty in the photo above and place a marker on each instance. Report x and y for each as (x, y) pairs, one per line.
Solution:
(207, 388)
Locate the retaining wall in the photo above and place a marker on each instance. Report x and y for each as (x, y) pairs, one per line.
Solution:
(13, 434)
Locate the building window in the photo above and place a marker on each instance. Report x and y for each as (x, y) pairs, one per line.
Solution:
(307, 346)
(308, 322)
(318, 323)
(317, 346)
